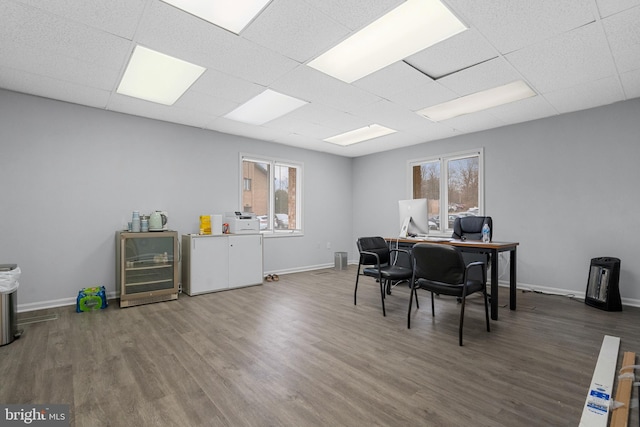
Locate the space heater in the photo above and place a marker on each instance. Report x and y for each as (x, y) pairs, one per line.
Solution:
(602, 288)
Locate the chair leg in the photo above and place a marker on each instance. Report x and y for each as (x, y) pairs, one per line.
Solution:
(382, 286)
(486, 309)
(461, 320)
(413, 292)
(433, 312)
(355, 292)
(417, 304)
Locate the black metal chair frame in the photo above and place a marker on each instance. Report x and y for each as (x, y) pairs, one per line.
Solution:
(459, 290)
(381, 270)
(459, 233)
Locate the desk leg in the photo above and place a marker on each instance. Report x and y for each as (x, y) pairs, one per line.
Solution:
(512, 280)
(494, 285)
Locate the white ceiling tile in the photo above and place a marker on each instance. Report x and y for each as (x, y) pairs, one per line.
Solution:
(186, 37)
(225, 86)
(566, 60)
(25, 82)
(631, 83)
(302, 32)
(45, 63)
(609, 7)
(329, 117)
(302, 127)
(590, 95)
(308, 143)
(423, 96)
(474, 122)
(512, 24)
(355, 14)
(311, 85)
(490, 74)
(623, 32)
(223, 125)
(119, 17)
(28, 26)
(301, 141)
(211, 105)
(536, 107)
(391, 115)
(152, 110)
(434, 131)
(453, 54)
(397, 77)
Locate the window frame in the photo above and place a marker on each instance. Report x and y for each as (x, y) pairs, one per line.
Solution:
(271, 231)
(444, 160)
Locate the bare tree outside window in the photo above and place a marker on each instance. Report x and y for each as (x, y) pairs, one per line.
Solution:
(458, 177)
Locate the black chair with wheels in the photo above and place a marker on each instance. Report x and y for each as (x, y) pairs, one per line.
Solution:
(441, 269)
(470, 228)
(379, 262)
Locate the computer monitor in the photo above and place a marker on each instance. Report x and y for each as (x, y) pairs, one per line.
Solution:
(414, 217)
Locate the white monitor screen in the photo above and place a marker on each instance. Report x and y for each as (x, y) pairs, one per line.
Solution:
(416, 209)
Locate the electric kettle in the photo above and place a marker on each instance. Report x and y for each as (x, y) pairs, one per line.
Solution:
(157, 220)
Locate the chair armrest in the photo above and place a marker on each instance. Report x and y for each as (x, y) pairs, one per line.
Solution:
(374, 254)
(406, 251)
(479, 264)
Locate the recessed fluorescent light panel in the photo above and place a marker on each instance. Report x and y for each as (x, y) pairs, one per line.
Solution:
(409, 28)
(265, 107)
(359, 135)
(233, 15)
(478, 101)
(156, 77)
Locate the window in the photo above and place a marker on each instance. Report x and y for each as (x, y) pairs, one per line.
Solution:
(452, 185)
(273, 193)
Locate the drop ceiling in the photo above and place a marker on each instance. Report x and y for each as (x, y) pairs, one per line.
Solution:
(575, 54)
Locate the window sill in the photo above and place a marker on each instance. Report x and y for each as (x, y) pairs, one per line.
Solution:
(275, 235)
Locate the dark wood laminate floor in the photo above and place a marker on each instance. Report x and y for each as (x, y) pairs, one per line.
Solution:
(298, 353)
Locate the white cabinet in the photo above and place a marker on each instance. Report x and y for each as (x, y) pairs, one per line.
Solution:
(215, 263)
(245, 260)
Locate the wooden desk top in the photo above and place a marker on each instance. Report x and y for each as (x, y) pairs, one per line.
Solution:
(500, 246)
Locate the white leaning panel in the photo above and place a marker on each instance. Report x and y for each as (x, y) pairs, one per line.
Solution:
(596, 407)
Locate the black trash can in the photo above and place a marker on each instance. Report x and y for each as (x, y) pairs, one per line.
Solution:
(603, 290)
(8, 309)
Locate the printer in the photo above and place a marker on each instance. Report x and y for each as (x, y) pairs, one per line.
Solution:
(242, 222)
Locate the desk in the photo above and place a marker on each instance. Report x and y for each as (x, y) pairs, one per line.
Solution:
(479, 247)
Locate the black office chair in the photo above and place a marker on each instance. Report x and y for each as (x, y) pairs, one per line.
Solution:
(376, 257)
(440, 269)
(470, 228)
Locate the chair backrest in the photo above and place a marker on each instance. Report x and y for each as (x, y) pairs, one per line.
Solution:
(470, 227)
(373, 244)
(438, 263)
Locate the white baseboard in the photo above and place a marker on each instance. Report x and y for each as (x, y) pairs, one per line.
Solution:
(631, 302)
(62, 302)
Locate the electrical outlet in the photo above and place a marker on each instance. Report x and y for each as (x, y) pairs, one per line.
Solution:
(328, 245)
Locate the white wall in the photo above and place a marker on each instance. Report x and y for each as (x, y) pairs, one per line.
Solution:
(71, 175)
(565, 187)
